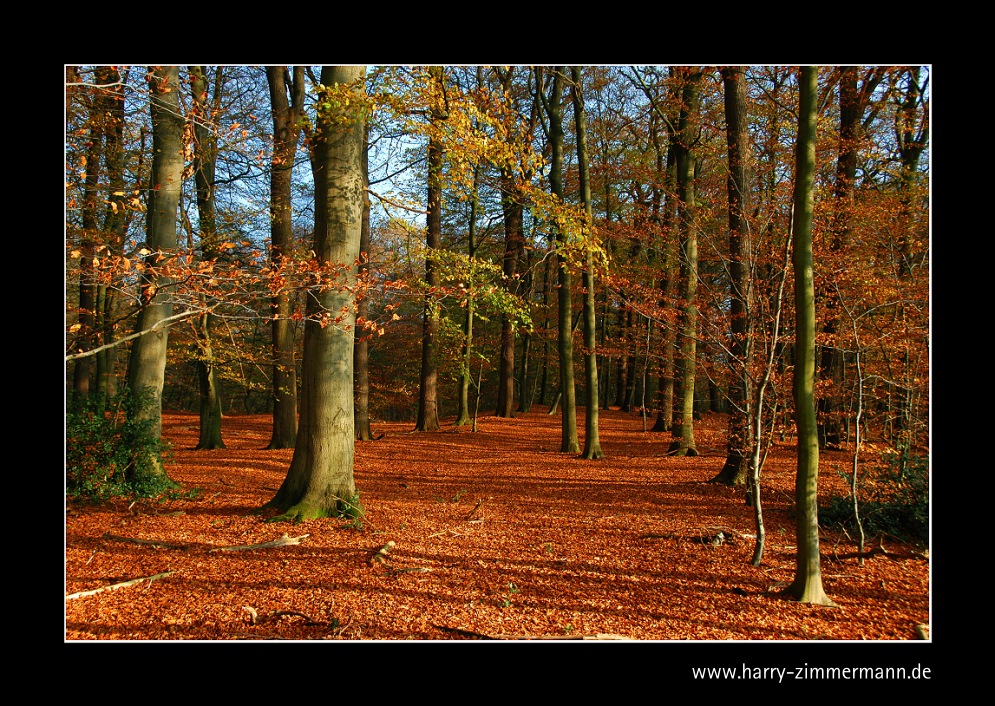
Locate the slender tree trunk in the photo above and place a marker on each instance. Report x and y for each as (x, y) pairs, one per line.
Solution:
(428, 391)
(807, 586)
(687, 331)
(147, 363)
(592, 442)
(570, 443)
(361, 347)
(668, 298)
(526, 389)
(320, 480)
(513, 244)
(205, 162)
(739, 186)
(463, 415)
(83, 368)
(286, 92)
(115, 227)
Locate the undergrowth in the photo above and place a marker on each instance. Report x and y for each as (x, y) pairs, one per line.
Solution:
(893, 501)
(110, 452)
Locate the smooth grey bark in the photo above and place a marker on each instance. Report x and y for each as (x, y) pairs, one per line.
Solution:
(687, 327)
(147, 362)
(807, 585)
(320, 481)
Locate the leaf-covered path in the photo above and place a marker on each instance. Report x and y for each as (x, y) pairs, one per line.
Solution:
(493, 534)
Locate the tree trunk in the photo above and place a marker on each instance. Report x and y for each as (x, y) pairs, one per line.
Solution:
(361, 347)
(463, 414)
(511, 205)
(668, 298)
(83, 368)
(287, 100)
(852, 102)
(428, 390)
(687, 329)
(115, 227)
(568, 401)
(205, 162)
(739, 186)
(147, 363)
(807, 586)
(592, 442)
(320, 480)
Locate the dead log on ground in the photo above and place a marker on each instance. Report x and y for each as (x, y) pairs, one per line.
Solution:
(283, 541)
(115, 586)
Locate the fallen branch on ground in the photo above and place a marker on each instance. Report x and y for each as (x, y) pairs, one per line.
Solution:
(282, 541)
(448, 531)
(383, 553)
(483, 636)
(115, 586)
(256, 619)
(144, 542)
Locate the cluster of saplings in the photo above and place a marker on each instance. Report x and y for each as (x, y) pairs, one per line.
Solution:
(894, 502)
(112, 450)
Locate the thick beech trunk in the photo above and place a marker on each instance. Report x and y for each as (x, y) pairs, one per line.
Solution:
(320, 480)
(147, 363)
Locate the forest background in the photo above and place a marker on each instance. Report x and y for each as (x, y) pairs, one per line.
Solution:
(479, 222)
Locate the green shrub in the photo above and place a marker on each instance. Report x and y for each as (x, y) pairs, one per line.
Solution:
(111, 454)
(895, 501)
(351, 509)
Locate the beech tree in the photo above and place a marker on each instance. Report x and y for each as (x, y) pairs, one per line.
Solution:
(807, 586)
(320, 480)
(687, 331)
(147, 363)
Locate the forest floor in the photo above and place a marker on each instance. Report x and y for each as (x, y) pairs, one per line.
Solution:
(486, 535)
